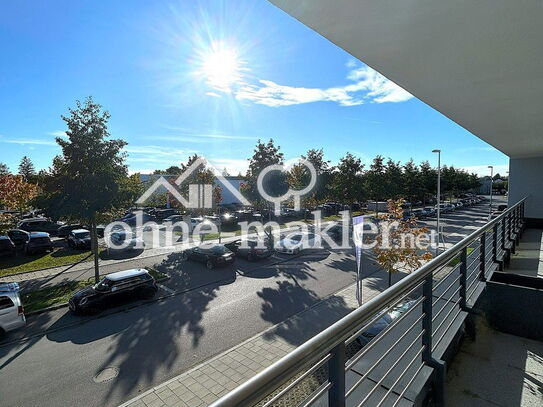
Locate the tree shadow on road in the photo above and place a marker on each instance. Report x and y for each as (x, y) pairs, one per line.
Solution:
(290, 298)
(145, 339)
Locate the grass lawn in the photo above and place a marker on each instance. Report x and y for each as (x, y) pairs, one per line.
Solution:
(59, 257)
(61, 293)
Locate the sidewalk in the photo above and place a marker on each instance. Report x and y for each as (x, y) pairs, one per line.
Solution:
(210, 380)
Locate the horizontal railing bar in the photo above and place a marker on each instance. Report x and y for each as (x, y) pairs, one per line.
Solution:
(384, 355)
(260, 385)
(436, 344)
(382, 334)
(319, 393)
(401, 376)
(298, 380)
(456, 268)
(446, 290)
(379, 315)
(391, 368)
(446, 316)
(445, 305)
(472, 263)
(400, 397)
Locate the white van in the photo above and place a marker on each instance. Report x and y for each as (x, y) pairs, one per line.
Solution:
(11, 308)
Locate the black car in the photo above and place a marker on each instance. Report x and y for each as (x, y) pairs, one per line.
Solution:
(161, 214)
(114, 289)
(65, 230)
(38, 242)
(7, 247)
(79, 239)
(251, 250)
(39, 225)
(210, 255)
(18, 236)
(381, 324)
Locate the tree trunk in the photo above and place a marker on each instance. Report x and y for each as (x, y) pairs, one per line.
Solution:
(94, 248)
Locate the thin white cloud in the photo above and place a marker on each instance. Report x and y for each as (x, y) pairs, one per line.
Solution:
(483, 170)
(57, 133)
(194, 137)
(27, 141)
(367, 86)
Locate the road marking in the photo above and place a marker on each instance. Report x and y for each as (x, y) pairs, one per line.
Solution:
(168, 290)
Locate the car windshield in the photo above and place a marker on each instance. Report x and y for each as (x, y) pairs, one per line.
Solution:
(219, 249)
(103, 285)
(82, 235)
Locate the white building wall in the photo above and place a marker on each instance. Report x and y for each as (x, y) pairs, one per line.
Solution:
(526, 179)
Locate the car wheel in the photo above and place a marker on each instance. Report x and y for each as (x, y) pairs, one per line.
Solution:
(184, 256)
(209, 265)
(148, 293)
(296, 251)
(251, 257)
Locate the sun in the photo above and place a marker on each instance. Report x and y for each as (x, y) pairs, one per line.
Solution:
(221, 68)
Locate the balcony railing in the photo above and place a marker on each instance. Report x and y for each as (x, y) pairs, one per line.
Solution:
(333, 369)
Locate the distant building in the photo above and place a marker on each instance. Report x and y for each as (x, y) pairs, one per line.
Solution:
(227, 196)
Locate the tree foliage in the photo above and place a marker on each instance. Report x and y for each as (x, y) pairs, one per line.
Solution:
(26, 168)
(397, 250)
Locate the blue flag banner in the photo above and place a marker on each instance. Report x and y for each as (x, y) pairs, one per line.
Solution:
(358, 239)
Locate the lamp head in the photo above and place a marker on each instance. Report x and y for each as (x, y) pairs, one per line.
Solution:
(436, 151)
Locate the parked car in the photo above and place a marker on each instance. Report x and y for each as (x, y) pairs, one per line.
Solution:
(39, 225)
(18, 236)
(450, 207)
(173, 219)
(79, 239)
(12, 314)
(124, 239)
(131, 220)
(429, 212)
(65, 230)
(382, 323)
(161, 214)
(7, 247)
(113, 289)
(295, 242)
(250, 249)
(38, 242)
(211, 255)
(419, 213)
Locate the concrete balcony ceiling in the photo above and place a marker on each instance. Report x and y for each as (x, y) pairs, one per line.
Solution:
(480, 63)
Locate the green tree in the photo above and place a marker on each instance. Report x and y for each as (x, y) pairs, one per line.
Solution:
(412, 182)
(275, 183)
(4, 169)
(89, 180)
(347, 182)
(26, 169)
(374, 177)
(428, 179)
(393, 179)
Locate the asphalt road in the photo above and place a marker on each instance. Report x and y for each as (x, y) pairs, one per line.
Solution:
(152, 343)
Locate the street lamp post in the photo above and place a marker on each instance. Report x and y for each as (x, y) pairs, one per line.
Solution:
(491, 187)
(438, 197)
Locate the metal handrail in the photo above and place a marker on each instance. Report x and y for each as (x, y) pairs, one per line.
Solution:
(261, 385)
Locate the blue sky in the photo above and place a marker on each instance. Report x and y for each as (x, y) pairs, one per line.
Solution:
(211, 77)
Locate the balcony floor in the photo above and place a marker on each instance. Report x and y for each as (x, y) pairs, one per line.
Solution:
(528, 259)
(496, 369)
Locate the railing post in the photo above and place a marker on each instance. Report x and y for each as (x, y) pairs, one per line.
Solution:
(463, 277)
(502, 223)
(495, 246)
(438, 366)
(336, 375)
(482, 255)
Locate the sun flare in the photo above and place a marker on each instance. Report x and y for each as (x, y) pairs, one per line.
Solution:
(221, 68)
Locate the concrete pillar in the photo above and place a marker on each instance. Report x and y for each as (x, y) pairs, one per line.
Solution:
(526, 179)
